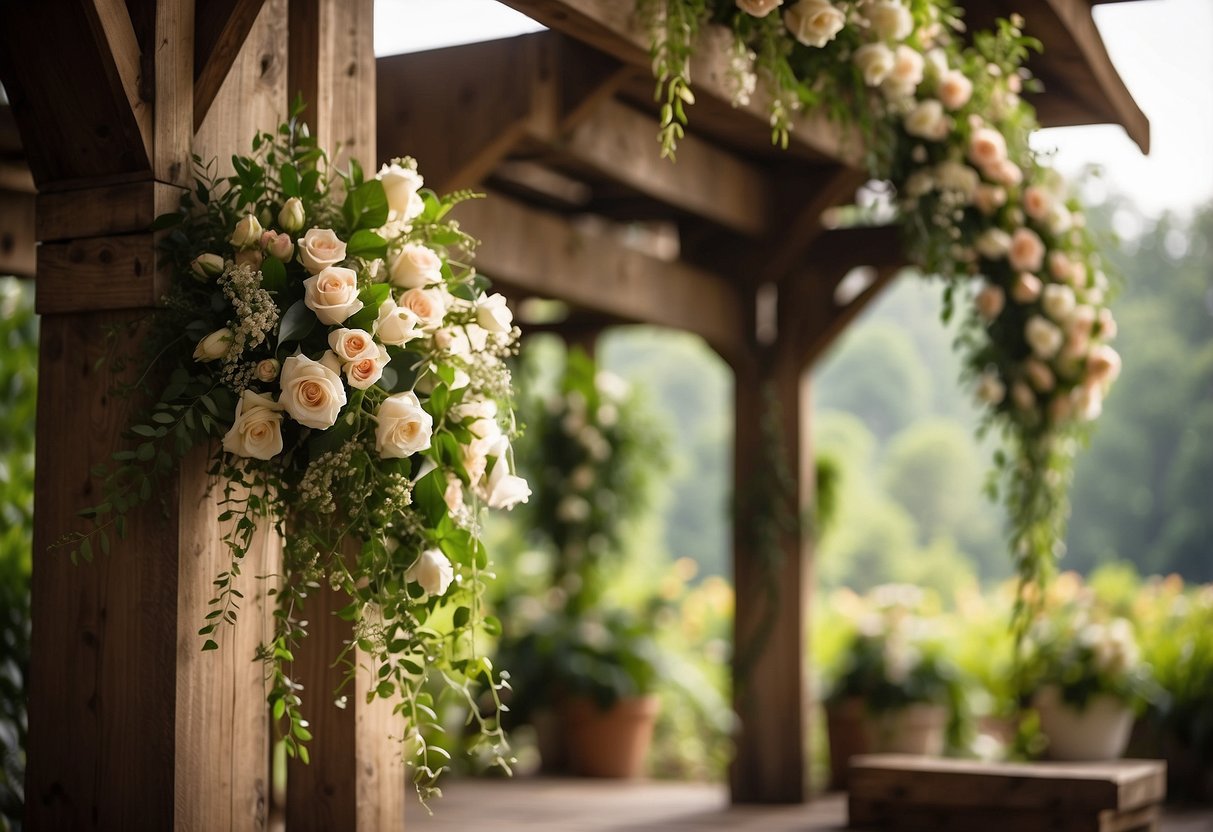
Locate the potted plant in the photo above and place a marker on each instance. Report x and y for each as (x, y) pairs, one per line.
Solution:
(895, 690)
(1086, 680)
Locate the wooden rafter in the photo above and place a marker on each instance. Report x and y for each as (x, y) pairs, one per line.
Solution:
(115, 37)
(541, 253)
(220, 29)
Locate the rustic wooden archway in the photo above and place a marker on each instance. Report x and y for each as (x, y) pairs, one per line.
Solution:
(132, 727)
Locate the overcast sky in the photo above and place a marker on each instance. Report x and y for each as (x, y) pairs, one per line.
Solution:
(1162, 48)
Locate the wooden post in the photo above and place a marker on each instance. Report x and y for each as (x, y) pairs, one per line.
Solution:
(770, 574)
(355, 780)
(131, 726)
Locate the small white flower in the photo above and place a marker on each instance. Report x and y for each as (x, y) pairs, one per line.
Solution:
(432, 571)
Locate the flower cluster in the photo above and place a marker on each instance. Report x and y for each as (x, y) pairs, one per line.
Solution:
(945, 124)
(351, 364)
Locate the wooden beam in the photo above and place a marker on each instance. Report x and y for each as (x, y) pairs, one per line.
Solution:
(612, 27)
(1081, 83)
(616, 141)
(17, 255)
(79, 113)
(104, 211)
(810, 315)
(332, 65)
(220, 29)
(78, 276)
(534, 251)
(806, 201)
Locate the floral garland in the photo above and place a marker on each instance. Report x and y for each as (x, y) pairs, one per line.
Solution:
(944, 123)
(345, 366)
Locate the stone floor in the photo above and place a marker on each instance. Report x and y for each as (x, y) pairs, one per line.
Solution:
(559, 805)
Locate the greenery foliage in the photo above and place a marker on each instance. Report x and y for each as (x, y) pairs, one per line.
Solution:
(18, 390)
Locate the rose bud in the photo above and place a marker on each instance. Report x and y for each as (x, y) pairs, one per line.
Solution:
(213, 346)
(291, 216)
(206, 266)
(278, 245)
(247, 233)
(250, 257)
(267, 369)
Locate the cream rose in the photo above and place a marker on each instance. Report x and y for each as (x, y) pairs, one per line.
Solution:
(987, 148)
(415, 266)
(955, 89)
(990, 388)
(1022, 396)
(365, 370)
(1087, 402)
(250, 257)
(312, 393)
(403, 428)
(401, 183)
(1043, 337)
(453, 494)
(1103, 366)
(257, 430)
(1027, 251)
(1026, 288)
(1037, 202)
(759, 8)
(1058, 302)
(1006, 172)
(990, 302)
(247, 232)
(875, 61)
(890, 19)
(291, 217)
(959, 177)
(927, 121)
(332, 294)
(494, 314)
(352, 344)
(906, 74)
(432, 571)
(1107, 324)
(1039, 375)
(993, 244)
(267, 369)
(320, 248)
(213, 346)
(814, 22)
(990, 198)
(426, 304)
(396, 326)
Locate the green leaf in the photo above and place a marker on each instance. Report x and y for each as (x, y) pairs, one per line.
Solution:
(372, 298)
(288, 177)
(273, 274)
(366, 206)
(462, 616)
(210, 644)
(279, 708)
(296, 324)
(492, 625)
(167, 221)
(401, 372)
(364, 243)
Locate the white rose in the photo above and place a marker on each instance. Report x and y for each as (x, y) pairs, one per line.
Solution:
(426, 304)
(311, 392)
(759, 8)
(396, 325)
(365, 370)
(247, 233)
(1026, 288)
(1060, 220)
(332, 294)
(1027, 251)
(990, 302)
(213, 346)
(955, 89)
(875, 61)
(320, 248)
(256, 432)
(493, 314)
(814, 22)
(927, 121)
(504, 489)
(403, 428)
(401, 185)
(415, 266)
(352, 344)
(993, 244)
(433, 571)
(1043, 337)
(907, 72)
(291, 216)
(990, 388)
(890, 19)
(987, 148)
(1058, 302)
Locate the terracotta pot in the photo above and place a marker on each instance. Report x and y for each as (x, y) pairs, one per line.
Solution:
(612, 742)
(915, 729)
(1100, 731)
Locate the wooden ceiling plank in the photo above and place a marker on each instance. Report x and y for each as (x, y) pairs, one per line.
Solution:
(544, 254)
(617, 142)
(220, 29)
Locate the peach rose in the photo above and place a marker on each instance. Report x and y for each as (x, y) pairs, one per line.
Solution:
(1027, 251)
(759, 8)
(320, 248)
(955, 89)
(1026, 287)
(332, 294)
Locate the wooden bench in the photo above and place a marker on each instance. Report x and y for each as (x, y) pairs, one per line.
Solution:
(922, 794)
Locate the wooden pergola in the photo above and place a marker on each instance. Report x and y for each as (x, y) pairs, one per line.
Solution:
(130, 725)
